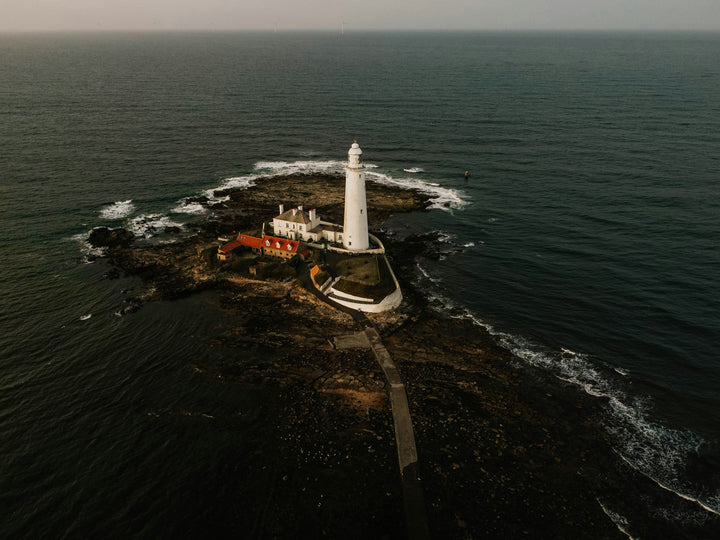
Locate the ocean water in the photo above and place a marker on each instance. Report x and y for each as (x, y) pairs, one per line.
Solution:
(586, 237)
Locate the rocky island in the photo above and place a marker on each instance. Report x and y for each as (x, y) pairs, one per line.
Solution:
(505, 450)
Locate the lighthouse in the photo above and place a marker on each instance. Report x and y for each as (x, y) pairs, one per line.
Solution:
(355, 230)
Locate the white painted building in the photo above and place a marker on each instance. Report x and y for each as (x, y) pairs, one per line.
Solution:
(356, 225)
(299, 224)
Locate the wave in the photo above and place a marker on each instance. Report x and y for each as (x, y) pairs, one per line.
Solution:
(117, 210)
(189, 208)
(442, 198)
(86, 248)
(449, 238)
(148, 225)
(656, 451)
(294, 167)
(234, 182)
(426, 274)
(705, 505)
(620, 521)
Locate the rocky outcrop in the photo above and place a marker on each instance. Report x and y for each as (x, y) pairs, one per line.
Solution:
(110, 238)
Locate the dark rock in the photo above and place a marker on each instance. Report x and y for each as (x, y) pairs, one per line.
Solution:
(111, 238)
(201, 200)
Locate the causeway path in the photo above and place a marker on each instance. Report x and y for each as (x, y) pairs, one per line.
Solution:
(414, 502)
(405, 439)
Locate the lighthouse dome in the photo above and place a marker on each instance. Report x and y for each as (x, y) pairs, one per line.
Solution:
(354, 156)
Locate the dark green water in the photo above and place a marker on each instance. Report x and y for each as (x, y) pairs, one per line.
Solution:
(589, 232)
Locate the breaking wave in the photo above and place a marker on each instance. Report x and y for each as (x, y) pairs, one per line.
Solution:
(620, 521)
(295, 167)
(117, 210)
(189, 208)
(235, 182)
(656, 451)
(148, 225)
(442, 198)
(86, 248)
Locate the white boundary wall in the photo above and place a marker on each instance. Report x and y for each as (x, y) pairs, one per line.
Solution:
(391, 301)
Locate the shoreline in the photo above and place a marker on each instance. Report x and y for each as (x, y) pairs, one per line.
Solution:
(504, 450)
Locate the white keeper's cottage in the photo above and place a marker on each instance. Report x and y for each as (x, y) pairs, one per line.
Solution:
(300, 224)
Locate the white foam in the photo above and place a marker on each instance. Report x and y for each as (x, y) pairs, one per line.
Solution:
(235, 182)
(292, 167)
(414, 170)
(620, 522)
(148, 225)
(658, 452)
(189, 208)
(86, 248)
(713, 509)
(442, 197)
(426, 274)
(117, 210)
(444, 236)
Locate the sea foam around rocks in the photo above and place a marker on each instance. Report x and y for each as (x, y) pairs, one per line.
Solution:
(117, 210)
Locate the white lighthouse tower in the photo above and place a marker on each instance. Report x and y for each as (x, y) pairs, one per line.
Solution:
(355, 231)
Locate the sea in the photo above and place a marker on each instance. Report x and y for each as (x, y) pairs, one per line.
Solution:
(585, 238)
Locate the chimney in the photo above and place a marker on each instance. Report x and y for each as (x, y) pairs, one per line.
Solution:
(300, 208)
(312, 214)
(294, 211)
(282, 208)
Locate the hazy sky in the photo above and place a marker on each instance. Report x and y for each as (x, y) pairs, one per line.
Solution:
(30, 15)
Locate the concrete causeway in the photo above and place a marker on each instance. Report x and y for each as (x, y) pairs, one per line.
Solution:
(405, 440)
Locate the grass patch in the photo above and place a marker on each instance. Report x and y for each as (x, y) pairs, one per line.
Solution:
(374, 292)
(382, 286)
(361, 269)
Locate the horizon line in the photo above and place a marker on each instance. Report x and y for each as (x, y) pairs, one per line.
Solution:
(332, 30)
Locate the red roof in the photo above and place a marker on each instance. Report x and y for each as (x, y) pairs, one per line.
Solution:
(229, 246)
(242, 240)
(273, 242)
(249, 241)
